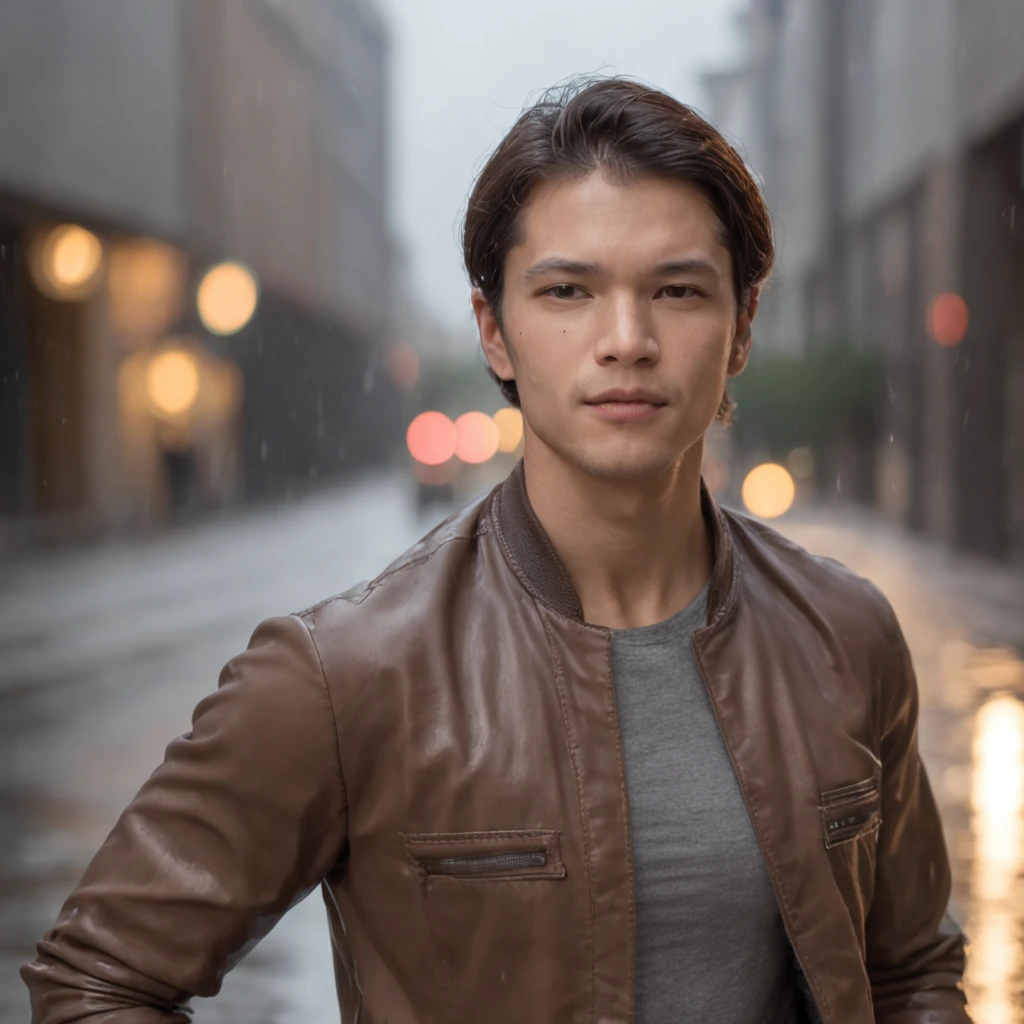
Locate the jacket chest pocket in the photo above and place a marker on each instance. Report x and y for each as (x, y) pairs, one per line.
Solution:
(508, 927)
(850, 819)
(850, 812)
(514, 855)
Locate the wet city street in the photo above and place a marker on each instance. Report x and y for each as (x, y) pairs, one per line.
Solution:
(105, 651)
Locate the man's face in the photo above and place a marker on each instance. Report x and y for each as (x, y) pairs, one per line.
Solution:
(620, 322)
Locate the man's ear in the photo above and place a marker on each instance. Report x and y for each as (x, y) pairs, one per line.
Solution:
(492, 340)
(739, 354)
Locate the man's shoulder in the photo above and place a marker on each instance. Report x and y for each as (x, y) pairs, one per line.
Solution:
(824, 587)
(435, 554)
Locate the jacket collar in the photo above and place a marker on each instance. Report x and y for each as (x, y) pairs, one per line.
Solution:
(533, 558)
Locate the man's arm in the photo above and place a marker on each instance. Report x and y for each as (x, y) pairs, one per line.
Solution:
(915, 951)
(244, 817)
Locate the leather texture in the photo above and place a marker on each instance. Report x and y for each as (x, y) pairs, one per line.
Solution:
(438, 751)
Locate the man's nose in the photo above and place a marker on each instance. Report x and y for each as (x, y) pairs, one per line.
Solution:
(627, 336)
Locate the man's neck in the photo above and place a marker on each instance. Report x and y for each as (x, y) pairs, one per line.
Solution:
(637, 552)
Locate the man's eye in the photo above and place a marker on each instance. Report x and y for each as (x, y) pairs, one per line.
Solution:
(565, 291)
(678, 291)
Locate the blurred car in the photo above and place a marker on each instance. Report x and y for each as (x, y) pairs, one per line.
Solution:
(435, 485)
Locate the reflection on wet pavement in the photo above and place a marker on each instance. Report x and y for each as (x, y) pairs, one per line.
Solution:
(964, 624)
(997, 795)
(103, 656)
(111, 651)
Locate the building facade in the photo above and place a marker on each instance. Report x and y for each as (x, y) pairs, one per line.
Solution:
(890, 138)
(181, 136)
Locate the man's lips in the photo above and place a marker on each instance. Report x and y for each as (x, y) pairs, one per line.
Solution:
(626, 395)
(626, 405)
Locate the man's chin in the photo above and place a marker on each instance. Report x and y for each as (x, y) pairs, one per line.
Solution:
(626, 465)
(612, 458)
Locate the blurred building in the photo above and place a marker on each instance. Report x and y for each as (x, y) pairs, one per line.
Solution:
(145, 142)
(890, 138)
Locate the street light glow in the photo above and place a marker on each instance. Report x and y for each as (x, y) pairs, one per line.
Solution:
(75, 257)
(431, 438)
(476, 438)
(66, 263)
(509, 422)
(146, 287)
(948, 319)
(172, 382)
(768, 491)
(227, 298)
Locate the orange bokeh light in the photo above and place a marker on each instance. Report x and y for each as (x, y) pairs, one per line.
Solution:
(948, 319)
(227, 298)
(431, 438)
(509, 422)
(172, 382)
(476, 437)
(768, 491)
(67, 262)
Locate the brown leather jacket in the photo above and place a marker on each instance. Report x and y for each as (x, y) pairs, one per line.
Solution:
(438, 750)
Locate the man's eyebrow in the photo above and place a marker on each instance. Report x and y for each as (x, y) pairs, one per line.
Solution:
(696, 265)
(576, 268)
(561, 265)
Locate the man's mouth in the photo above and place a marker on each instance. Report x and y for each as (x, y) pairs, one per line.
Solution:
(626, 404)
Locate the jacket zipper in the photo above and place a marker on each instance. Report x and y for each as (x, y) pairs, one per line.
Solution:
(495, 863)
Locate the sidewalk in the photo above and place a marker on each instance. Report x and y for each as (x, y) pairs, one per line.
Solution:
(963, 618)
(976, 594)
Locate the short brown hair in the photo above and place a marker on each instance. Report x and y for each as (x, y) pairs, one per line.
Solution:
(629, 130)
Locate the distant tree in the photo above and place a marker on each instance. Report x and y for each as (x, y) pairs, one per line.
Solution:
(787, 400)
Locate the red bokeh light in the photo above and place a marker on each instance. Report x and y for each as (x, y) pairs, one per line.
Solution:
(948, 319)
(431, 438)
(476, 437)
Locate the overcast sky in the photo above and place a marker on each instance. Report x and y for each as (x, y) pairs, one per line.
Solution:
(463, 69)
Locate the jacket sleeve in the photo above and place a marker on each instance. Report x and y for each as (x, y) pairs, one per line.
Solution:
(915, 951)
(244, 817)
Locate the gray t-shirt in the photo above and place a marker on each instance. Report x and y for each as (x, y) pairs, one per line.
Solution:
(710, 944)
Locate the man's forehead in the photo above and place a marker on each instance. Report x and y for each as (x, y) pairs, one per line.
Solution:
(577, 218)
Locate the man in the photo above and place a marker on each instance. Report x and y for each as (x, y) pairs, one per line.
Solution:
(595, 750)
